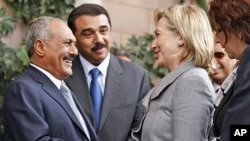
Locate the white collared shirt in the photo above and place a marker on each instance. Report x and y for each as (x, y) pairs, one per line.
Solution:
(216, 88)
(103, 68)
(56, 81)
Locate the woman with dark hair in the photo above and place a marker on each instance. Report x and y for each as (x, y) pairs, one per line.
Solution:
(230, 20)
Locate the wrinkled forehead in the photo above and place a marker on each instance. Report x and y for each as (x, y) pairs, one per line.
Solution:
(61, 30)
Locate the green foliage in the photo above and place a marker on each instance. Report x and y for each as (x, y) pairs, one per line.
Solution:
(202, 4)
(139, 50)
(12, 63)
(27, 10)
(7, 24)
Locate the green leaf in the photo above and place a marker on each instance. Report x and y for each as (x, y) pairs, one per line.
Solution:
(7, 23)
(2, 12)
(27, 10)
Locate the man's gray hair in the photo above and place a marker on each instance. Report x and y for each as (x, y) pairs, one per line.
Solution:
(39, 28)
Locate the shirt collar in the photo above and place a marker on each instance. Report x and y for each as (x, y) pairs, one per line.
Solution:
(56, 81)
(103, 67)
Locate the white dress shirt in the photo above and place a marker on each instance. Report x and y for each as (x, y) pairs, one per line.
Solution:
(103, 68)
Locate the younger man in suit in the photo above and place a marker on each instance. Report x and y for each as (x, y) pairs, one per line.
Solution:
(122, 84)
(34, 108)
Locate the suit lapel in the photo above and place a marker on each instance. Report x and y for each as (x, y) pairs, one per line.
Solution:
(91, 130)
(170, 78)
(81, 85)
(113, 85)
(114, 75)
(49, 87)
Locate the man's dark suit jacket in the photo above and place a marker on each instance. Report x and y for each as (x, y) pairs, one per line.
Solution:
(35, 110)
(238, 111)
(126, 85)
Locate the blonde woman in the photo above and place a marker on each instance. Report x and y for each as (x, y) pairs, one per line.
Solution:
(181, 104)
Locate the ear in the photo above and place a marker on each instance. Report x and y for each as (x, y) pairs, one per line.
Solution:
(39, 47)
(180, 41)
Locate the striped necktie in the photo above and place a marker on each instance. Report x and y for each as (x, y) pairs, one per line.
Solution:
(67, 95)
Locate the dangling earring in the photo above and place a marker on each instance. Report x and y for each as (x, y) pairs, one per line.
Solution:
(240, 36)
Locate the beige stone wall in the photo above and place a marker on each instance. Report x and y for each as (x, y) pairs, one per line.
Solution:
(132, 17)
(129, 17)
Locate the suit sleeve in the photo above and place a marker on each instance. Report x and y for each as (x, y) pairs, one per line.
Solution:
(140, 108)
(192, 107)
(23, 115)
(145, 86)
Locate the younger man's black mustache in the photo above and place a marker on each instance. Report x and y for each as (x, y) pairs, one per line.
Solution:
(98, 46)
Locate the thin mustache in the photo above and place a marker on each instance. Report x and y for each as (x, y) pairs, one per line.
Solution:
(98, 46)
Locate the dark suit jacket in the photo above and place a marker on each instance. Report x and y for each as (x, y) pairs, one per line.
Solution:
(126, 85)
(34, 110)
(219, 112)
(238, 111)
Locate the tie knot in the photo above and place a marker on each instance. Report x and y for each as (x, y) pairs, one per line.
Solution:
(94, 73)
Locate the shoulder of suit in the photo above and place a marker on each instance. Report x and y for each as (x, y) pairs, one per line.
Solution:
(130, 65)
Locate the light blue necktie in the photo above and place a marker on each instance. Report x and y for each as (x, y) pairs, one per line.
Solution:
(96, 96)
(67, 95)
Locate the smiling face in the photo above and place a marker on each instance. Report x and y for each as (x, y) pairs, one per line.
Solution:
(166, 45)
(93, 37)
(222, 64)
(56, 54)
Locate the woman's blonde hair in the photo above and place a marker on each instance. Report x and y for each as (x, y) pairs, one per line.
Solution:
(192, 24)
